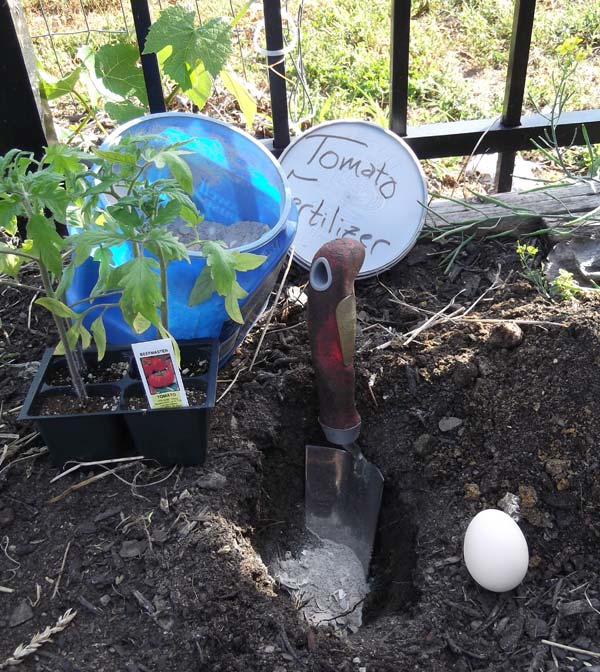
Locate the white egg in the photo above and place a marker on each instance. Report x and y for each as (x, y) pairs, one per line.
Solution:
(495, 551)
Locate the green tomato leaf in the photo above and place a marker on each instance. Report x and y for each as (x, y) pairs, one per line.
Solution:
(99, 334)
(140, 282)
(233, 308)
(10, 207)
(116, 155)
(56, 307)
(180, 170)
(64, 159)
(65, 280)
(140, 324)
(46, 187)
(247, 261)
(9, 263)
(203, 288)
(222, 266)
(104, 257)
(162, 241)
(238, 88)
(117, 66)
(86, 337)
(166, 334)
(46, 243)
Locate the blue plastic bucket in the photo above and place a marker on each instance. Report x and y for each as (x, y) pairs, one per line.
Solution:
(235, 179)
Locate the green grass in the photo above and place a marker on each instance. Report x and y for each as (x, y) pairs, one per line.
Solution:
(459, 55)
(458, 52)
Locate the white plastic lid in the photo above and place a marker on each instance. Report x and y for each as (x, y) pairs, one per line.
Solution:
(355, 179)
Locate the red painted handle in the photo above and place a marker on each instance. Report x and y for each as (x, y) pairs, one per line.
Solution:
(331, 328)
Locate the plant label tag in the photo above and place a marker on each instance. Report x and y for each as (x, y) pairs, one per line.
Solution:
(160, 374)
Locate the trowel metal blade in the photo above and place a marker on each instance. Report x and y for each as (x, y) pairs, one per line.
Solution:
(343, 498)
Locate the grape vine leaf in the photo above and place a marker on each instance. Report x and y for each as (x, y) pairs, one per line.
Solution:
(238, 88)
(209, 43)
(117, 66)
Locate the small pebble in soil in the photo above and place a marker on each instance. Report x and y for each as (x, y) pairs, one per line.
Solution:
(212, 481)
(7, 516)
(465, 374)
(447, 424)
(528, 496)
(22, 613)
(506, 335)
(472, 492)
(424, 445)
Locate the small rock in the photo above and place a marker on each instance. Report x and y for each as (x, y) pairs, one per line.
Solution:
(269, 649)
(537, 518)
(87, 527)
(563, 484)
(7, 515)
(449, 423)
(22, 613)
(557, 468)
(465, 374)
(472, 492)
(535, 561)
(506, 335)
(212, 481)
(423, 445)
(109, 513)
(133, 548)
(485, 367)
(104, 600)
(528, 496)
(166, 623)
(160, 535)
(511, 505)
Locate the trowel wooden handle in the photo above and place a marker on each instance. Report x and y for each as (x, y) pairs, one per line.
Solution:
(332, 332)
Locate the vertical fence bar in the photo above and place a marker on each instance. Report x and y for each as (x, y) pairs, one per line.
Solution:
(400, 42)
(276, 65)
(142, 22)
(21, 124)
(515, 84)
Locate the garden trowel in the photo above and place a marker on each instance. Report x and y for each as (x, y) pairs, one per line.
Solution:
(343, 489)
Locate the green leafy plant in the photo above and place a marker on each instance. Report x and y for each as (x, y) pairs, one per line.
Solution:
(116, 203)
(110, 78)
(40, 193)
(564, 286)
(531, 270)
(128, 206)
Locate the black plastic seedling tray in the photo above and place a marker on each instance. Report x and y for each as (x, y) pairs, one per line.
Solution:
(169, 436)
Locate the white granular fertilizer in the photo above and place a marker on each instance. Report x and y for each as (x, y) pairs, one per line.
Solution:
(328, 582)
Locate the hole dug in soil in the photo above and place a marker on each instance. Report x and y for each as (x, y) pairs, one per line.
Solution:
(324, 580)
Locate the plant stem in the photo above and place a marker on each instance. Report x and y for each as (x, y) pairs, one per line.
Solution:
(20, 285)
(62, 334)
(164, 309)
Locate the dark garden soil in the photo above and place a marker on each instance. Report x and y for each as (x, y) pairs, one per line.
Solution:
(166, 567)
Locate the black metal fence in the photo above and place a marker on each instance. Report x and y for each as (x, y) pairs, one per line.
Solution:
(506, 135)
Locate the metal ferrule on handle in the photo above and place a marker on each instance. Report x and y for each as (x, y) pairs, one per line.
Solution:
(332, 332)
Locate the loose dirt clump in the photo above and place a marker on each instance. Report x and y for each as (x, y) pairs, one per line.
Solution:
(167, 568)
